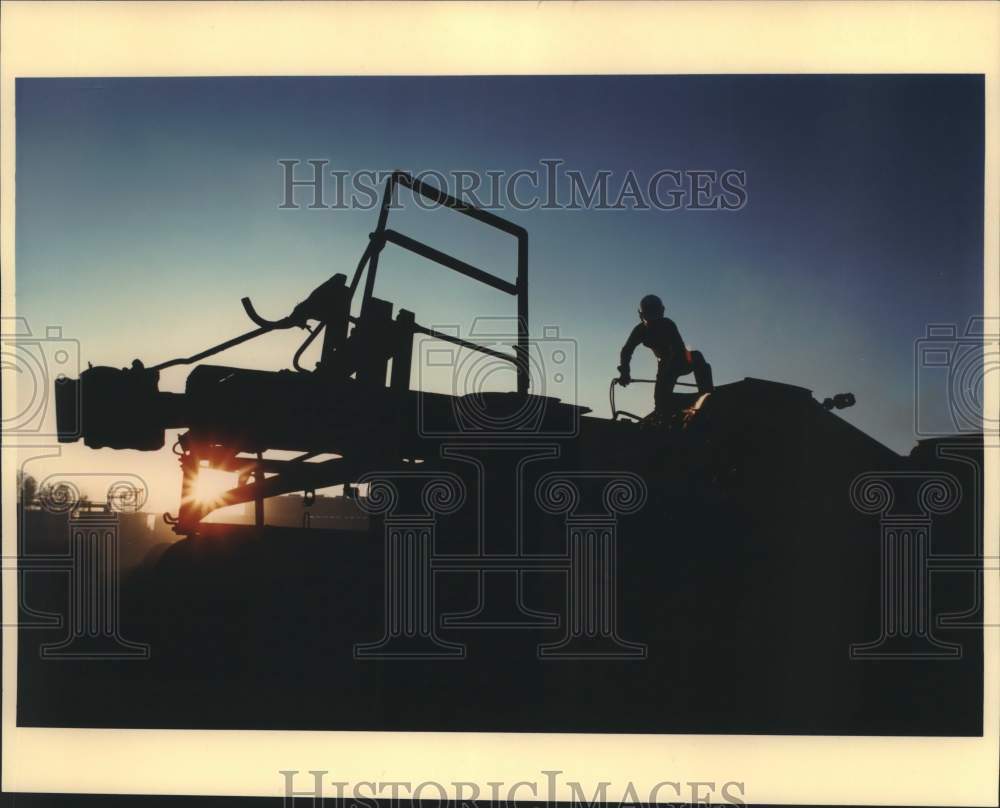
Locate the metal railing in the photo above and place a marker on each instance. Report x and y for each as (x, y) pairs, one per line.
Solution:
(519, 288)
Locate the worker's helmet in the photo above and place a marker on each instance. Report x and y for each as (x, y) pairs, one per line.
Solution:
(651, 307)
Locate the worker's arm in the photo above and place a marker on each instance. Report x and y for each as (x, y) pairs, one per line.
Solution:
(628, 349)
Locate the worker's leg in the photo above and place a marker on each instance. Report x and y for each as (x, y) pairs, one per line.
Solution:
(702, 372)
(663, 392)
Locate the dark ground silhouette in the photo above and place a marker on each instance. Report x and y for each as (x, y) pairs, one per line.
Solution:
(747, 574)
(727, 558)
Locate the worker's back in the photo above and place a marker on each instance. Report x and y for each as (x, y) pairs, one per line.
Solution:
(662, 337)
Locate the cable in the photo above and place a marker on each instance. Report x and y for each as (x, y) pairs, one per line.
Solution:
(302, 348)
(264, 326)
(284, 322)
(220, 347)
(373, 243)
(611, 396)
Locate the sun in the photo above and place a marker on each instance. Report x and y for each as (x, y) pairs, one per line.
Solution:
(210, 485)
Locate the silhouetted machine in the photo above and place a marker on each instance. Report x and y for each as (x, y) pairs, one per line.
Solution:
(344, 406)
(747, 539)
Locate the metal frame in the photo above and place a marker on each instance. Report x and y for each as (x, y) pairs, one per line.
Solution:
(297, 474)
(519, 288)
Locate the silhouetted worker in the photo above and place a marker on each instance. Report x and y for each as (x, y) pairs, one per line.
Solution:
(660, 334)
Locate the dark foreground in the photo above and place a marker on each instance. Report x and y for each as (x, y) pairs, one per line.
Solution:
(737, 594)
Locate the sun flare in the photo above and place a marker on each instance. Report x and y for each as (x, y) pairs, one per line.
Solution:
(210, 485)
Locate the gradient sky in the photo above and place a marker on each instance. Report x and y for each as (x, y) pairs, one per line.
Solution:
(147, 207)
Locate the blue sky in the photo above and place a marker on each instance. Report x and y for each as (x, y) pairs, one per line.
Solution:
(147, 207)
